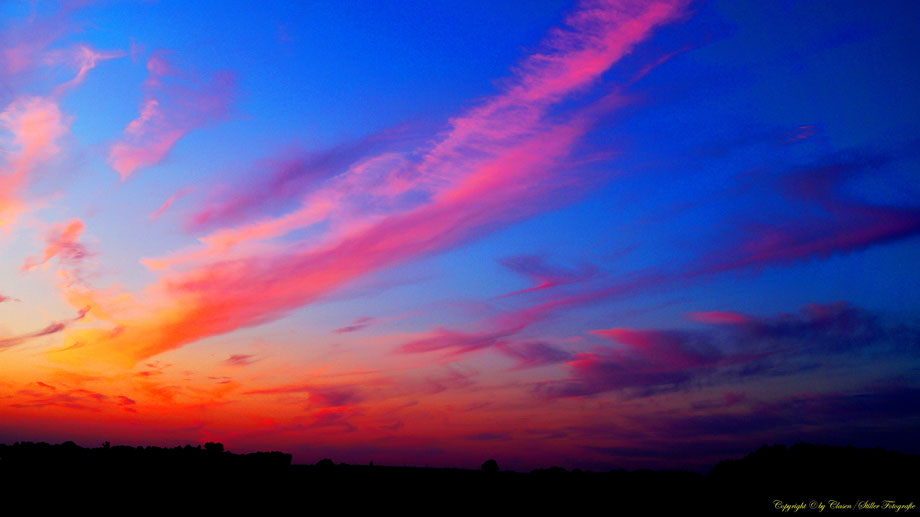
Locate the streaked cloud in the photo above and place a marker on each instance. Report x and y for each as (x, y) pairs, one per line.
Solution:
(175, 102)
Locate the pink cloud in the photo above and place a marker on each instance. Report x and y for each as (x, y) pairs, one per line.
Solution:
(454, 342)
(287, 178)
(36, 124)
(511, 151)
(25, 46)
(366, 321)
(34, 121)
(572, 59)
(839, 226)
(62, 241)
(669, 350)
(533, 354)
(174, 104)
(168, 203)
(83, 58)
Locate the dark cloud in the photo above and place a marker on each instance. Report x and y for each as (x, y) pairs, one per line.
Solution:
(488, 436)
(798, 417)
(868, 417)
(645, 362)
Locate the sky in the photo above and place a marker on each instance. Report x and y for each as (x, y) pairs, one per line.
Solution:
(596, 234)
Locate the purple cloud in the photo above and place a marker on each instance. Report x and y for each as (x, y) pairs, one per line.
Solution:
(533, 354)
(358, 324)
(652, 361)
(240, 360)
(543, 275)
(52, 328)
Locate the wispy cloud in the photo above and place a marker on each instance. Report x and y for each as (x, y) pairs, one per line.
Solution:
(508, 140)
(83, 58)
(52, 328)
(840, 225)
(321, 396)
(533, 354)
(826, 224)
(156, 214)
(34, 125)
(28, 44)
(358, 324)
(543, 275)
(240, 360)
(175, 102)
(62, 241)
(285, 179)
(77, 399)
(32, 119)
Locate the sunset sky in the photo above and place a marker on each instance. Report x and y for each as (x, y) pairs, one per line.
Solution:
(590, 234)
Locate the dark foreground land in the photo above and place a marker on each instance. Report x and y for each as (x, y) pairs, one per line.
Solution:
(771, 480)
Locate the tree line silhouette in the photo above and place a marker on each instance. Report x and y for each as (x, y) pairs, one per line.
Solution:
(751, 485)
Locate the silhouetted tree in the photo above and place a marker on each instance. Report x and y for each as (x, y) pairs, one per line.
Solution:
(212, 447)
(490, 466)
